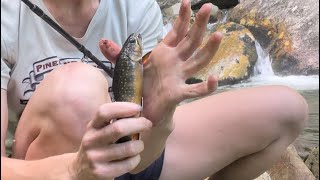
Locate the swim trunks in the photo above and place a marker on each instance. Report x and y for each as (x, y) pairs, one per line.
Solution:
(150, 173)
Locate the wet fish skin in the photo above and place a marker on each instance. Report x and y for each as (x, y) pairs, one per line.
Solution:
(128, 72)
(127, 81)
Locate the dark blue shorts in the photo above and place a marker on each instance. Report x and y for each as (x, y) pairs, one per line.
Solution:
(150, 173)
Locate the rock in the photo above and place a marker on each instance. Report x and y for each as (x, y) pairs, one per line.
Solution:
(264, 176)
(312, 162)
(235, 59)
(170, 14)
(167, 3)
(288, 30)
(301, 149)
(290, 167)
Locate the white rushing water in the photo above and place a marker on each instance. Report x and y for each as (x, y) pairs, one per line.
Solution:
(264, 75)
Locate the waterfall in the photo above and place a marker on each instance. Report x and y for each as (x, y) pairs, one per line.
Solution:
(263, 65)
(224, 16)
(263, 75)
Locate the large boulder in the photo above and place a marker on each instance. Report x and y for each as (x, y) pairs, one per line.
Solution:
(312, 162)
(289, 30)
(236, 57)
(264, 176)
(167, 3)
(290, 167)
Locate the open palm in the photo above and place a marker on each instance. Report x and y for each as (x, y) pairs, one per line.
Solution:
(172, 62)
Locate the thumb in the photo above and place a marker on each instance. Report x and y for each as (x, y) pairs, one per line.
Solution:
(110, 50)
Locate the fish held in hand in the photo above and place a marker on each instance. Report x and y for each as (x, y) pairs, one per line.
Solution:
(127, 82)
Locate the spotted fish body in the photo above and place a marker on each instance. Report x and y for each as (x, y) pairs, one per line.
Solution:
(128, 74)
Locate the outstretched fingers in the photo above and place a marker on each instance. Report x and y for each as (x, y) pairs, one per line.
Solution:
(194, 37)
(203, 56)
(181, 25)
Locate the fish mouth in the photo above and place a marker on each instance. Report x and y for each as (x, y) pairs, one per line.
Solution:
(137, 54)
(139, 41)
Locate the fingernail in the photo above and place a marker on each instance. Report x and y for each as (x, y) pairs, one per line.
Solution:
(186, 2)
(138, 107)
(210, 4)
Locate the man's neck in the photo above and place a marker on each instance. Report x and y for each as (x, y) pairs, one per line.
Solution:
(71, 5)
(73, 15)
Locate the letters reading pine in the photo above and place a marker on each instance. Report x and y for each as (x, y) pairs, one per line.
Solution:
(50, 63)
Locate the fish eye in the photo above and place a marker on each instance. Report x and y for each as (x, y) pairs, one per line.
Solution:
(132, 40)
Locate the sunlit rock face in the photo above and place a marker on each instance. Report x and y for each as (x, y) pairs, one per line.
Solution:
(288, 30)
(290, 166)
(236, 57)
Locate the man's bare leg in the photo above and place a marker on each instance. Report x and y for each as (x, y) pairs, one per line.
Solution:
(233, 135)
(57, 114)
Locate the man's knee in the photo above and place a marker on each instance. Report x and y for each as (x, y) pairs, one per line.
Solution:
(72, 94)
(76, 84)
(60, 108)
(295, 110)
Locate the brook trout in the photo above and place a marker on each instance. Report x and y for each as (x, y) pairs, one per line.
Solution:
(128, 75)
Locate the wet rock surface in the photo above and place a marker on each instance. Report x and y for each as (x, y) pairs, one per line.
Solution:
(236, 57)
(289, 30)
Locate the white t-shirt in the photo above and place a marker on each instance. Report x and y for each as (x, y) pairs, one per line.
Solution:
(30, 48)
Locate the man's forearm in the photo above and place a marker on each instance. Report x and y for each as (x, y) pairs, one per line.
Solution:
(154, 142)
(52, 168)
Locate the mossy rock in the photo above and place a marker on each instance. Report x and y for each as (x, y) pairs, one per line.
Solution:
(236, 57)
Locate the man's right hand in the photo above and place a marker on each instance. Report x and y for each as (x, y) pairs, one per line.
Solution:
(99, 157)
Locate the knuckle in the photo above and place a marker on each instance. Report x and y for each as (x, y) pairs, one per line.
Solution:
(91, 158)
(86, 141)
(102, 112)
(117, 130)
(130, 149)
(147, 123)
(175, 35)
